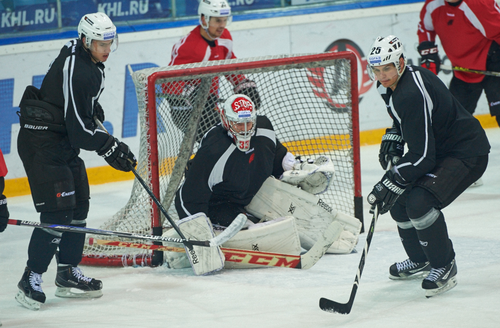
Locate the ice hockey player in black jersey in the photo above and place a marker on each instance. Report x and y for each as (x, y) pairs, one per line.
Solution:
(56, 122)
(446, 151)
(232, 163)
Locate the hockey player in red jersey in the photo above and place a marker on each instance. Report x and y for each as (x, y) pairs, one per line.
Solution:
(206, 42)
(469, 31)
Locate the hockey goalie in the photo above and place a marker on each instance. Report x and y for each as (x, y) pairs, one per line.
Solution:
(241, 167)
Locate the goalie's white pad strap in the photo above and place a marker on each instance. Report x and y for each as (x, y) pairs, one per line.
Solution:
(277, 236)
(203, 260)
(313, 177)
(275, 199)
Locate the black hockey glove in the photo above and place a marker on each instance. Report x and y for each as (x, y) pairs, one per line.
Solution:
(249, 89)
(4, 213)
(185, 100)
(98, 112)
(387, 191)
(430, 57)
(118, 155)
(391, 148)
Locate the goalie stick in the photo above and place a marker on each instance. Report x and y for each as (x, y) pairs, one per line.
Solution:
(345, 308)
(467, 70)
(233, 228)
(304, 261)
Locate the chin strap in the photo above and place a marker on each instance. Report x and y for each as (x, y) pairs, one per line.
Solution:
(208, 34)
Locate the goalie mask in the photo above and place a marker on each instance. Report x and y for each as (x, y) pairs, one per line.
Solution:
(97, 27)
(214, 8)
(386, 50)
(239, 118)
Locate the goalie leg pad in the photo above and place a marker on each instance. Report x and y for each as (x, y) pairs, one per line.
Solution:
(203, 260)
(275, 199)
(277, 236)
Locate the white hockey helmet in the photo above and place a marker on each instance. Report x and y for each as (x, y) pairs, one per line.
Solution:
(239, 108)
(386, 50)
(97, 26)
(214, 8)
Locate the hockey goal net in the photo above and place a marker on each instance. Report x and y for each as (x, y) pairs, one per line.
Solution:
(312, 101)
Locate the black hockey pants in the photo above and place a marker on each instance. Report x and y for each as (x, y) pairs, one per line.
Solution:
(417, 211)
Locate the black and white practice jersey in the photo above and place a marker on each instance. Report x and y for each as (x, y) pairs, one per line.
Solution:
(220, 173)
(74, 83)
(432, 123)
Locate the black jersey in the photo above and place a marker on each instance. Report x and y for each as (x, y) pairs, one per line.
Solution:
(73, 84)
(432, 123)
(220, 173)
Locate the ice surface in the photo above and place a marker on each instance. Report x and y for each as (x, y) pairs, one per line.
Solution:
(277, 297)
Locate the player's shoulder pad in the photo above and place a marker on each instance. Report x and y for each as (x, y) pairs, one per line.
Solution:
(264, 123)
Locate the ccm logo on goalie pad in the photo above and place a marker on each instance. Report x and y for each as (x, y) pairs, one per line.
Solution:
(232, 255)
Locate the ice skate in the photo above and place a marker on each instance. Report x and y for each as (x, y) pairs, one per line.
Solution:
(409, 270)
(440, 280)
(477, 183)
(30, 293)
(71, 283)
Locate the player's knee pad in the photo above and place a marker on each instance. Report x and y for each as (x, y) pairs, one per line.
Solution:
(428, 219)
(276, 199)
(80, 214)
(58, 217)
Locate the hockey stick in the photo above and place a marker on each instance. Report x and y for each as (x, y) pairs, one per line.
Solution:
(224, 236)
(227, 234)
(345, 308)
(304, 261)
(216, 241)
(467, 70)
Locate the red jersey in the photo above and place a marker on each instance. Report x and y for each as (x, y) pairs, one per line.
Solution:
(466, 32)
(3, 167)
(193, 48)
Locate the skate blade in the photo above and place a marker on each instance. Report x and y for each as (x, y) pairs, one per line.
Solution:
(420, 275)
(27, 302)
(68, 292)
(449, 285)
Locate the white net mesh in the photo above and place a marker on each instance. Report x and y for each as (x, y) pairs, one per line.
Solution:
(307, 98)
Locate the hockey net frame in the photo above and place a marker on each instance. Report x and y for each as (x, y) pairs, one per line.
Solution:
(328, 82)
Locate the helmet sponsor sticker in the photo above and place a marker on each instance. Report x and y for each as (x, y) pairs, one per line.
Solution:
(224, 11)
(374, 60)
(244, 113)
(109, 35)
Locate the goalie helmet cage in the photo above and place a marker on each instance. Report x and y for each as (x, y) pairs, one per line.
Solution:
(311, 100)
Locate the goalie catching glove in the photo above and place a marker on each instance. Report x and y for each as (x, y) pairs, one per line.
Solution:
(313, 176)
(118, 155)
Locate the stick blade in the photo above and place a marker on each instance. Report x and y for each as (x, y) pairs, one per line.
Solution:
(334, 307)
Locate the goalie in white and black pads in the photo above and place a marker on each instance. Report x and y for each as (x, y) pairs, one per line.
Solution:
(447, 150)
(234, 160)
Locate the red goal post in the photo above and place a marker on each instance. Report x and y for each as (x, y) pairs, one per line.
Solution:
(312, 101)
